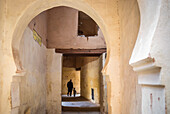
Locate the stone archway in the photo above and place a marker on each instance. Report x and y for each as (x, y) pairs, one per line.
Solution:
(30, 13)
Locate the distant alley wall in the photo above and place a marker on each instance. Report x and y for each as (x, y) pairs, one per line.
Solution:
(90, 78)
(67, 74)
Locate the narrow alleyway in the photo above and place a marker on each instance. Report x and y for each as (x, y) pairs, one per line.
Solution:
(79, 105)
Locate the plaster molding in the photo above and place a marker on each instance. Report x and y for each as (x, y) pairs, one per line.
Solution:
(148, 72)
(143, 65)
(21, 73)
(152, 90)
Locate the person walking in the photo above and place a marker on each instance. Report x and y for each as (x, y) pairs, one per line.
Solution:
(70, 87)
(74, 92)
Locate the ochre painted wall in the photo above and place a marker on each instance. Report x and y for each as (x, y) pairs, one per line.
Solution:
(67, 74)
(69, 61)
(90, 78)
(129, 27)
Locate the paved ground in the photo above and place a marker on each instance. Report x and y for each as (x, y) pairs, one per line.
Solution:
(77, 95)
(79, 105)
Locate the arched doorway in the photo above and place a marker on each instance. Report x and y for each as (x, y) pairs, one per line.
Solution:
(19, 64)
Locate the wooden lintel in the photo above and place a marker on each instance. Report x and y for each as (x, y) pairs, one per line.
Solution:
(81, 51)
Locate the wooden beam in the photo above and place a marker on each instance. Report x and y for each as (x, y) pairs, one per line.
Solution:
(81, 51)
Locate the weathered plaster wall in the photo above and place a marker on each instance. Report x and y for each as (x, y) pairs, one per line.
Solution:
(67, 74)
(160, 50)
(32, 88)
(54, 75)
(33, 57)
(129, 21)
(62, 23)
(6, 61)
(39, 24)
(90, 78)
(2, 19)
(40, 90)
(63, 33)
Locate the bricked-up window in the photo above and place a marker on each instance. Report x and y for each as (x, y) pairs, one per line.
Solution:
(86, 25)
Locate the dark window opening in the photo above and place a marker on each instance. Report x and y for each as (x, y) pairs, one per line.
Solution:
(78, 69)
(86, 25)
(92, 93)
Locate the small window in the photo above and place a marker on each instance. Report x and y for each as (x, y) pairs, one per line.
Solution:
(92, 93)
(86, 25)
